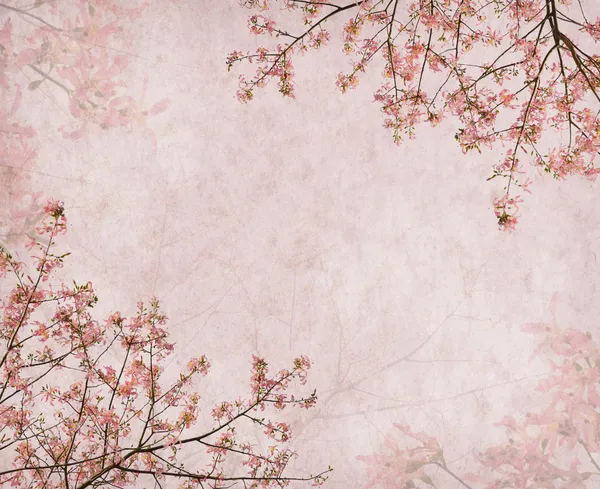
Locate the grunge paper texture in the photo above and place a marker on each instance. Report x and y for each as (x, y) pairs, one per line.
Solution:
(281, 228)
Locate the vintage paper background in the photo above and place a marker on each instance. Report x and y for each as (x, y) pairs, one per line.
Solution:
(283, 228)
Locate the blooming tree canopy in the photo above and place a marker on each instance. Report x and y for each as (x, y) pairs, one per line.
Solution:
(88, 403)
(510, 71)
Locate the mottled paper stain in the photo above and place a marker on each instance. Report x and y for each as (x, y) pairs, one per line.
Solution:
(286, 228)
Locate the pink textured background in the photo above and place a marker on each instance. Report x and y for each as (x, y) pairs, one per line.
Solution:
(285, 228)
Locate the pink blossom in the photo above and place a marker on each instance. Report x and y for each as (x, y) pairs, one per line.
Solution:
(118, 411)
(413, 41)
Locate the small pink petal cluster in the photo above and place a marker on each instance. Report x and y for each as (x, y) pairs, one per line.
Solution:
(262, 384)
(541, 46)
(84, 403)
(555, 448)
(506, 209)
(259, 24)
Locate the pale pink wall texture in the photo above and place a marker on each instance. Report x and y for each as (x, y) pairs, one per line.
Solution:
(283, 228)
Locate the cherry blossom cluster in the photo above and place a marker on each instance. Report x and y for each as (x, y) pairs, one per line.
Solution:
(445, 58)
(84, 403)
